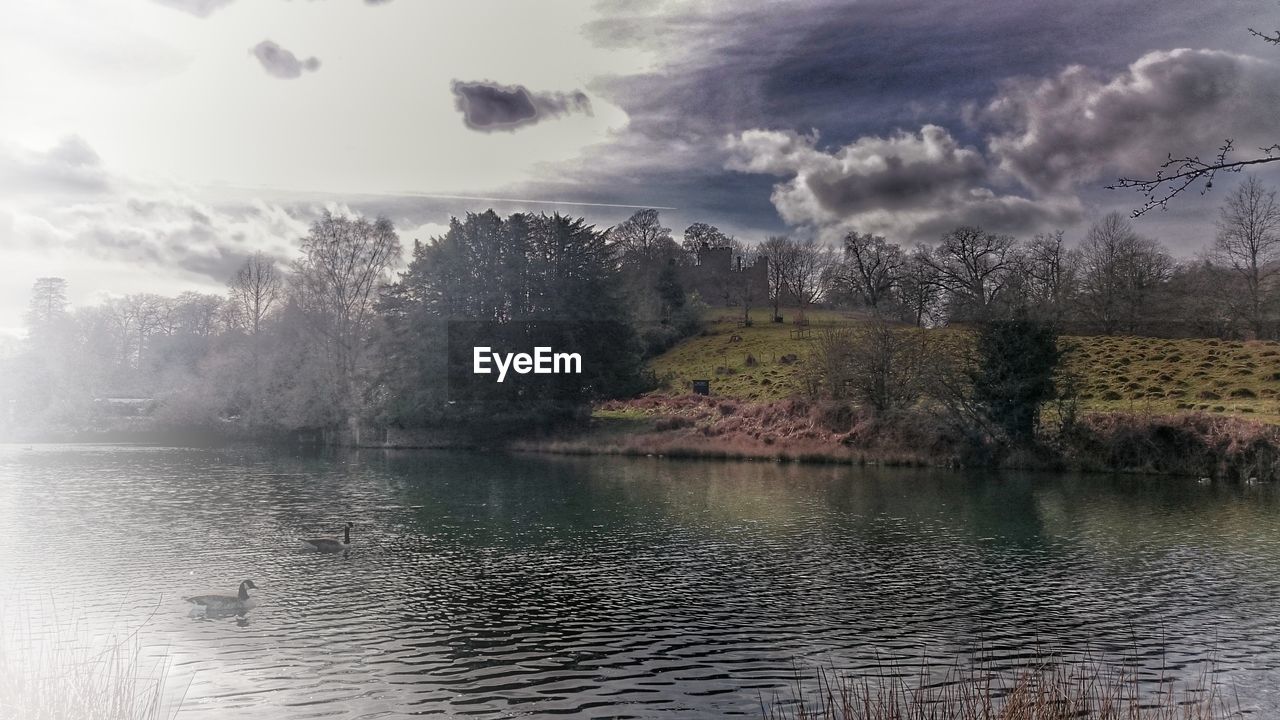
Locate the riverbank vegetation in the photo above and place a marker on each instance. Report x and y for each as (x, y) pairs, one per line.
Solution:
(795, 430)
(979, 350)
(52, 671)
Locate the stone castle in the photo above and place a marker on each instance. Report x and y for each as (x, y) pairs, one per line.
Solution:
(720, 279)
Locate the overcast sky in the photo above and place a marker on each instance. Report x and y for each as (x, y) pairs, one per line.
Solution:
(149, 145)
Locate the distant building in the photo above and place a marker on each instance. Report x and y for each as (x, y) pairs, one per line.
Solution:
(124, 406)
(720, 279)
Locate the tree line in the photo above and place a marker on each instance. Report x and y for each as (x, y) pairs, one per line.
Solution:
(347, 335)
(1114, 281)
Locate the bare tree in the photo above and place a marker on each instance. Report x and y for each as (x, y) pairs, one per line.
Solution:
(1204, 296)
(780, 251)
(646, 252)
(700, 236)
(345, 261)
(1102, 278)
(1248, 241)
(871, 267)
(197, 314)
(918, 286)
(641, 239)
(1119, 272)
(134, 320)
(742, 290)
(804, 274)
(254, 290)
(972, 266)
(1049, 275)
(887, 365)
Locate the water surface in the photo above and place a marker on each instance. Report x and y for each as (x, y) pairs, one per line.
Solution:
(496, 586)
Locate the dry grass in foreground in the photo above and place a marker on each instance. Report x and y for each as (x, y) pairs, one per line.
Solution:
(60, 671)
(1085, 690)
(1196, 444)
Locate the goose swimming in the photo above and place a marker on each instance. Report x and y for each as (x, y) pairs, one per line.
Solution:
(330, 545)
(215, 605)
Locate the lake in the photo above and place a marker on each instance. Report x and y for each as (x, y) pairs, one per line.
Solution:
(491, 586)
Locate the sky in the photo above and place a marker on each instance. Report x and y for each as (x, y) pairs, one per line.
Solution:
(150, 145)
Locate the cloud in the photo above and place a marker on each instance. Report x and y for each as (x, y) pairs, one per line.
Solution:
(69, 167)
(199, 8)
(869, 67)
(909, 186)
(166, 230)
(1074, 127)
(282, 63)
(1045, 144)
(488, 106)
(857, 71)
(64, 202)
(205, 8)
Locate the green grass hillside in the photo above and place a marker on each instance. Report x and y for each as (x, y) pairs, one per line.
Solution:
(747, 363)
(1132, 374)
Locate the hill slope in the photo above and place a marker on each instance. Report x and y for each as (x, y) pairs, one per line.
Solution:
(1131, 374)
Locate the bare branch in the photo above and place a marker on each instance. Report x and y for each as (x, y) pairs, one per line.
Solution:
(1274, 39)
(1177, 174)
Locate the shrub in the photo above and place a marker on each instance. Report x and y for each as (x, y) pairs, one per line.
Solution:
(1017, 361)
(1187, 444)
(674, 422)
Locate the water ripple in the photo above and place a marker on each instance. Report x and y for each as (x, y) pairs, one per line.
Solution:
(491, 587)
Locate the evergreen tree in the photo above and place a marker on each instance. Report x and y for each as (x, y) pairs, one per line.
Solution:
(1017, 360)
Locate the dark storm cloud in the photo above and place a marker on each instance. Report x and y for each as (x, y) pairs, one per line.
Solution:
(852, 69)
(282, 63)
(488, 106)
(1049, 139)
(867, 74)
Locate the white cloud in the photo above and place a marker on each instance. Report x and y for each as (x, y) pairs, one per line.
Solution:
(910, 186)
(1049, 141)
(1079, 125)
(69, 166)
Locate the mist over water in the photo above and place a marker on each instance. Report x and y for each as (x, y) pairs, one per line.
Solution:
(504, 585)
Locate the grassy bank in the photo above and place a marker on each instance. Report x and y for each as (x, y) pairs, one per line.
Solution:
(1197, 444)
(1133, 375)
